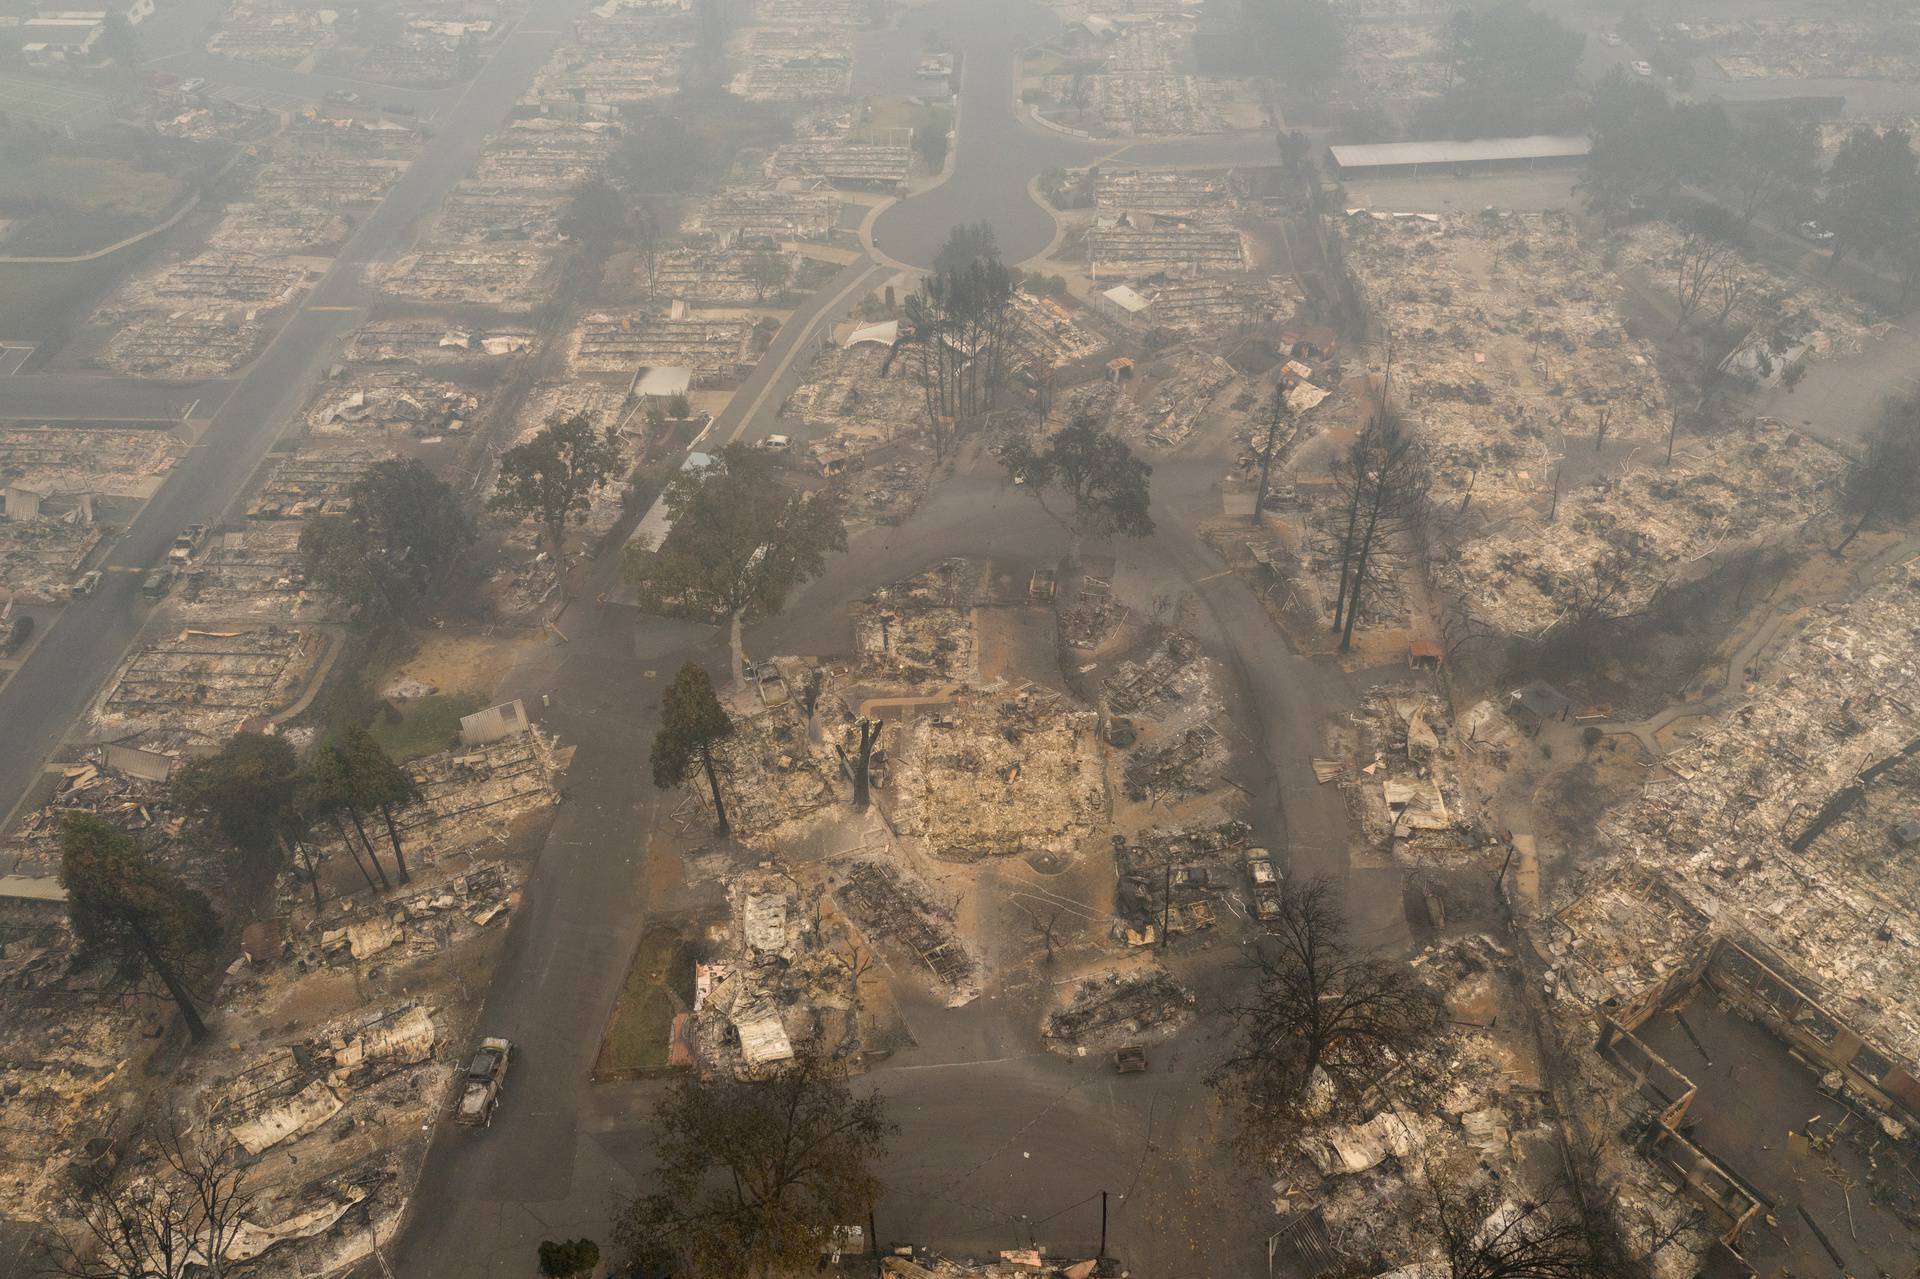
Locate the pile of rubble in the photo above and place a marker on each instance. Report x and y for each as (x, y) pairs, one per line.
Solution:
(765, 215)
(712, 349)
(996, 773)
(313, 480)
(425, 342)
(1752, 484)
(251, 572)
(844, 162)
(783, 983)
(1187, 195)
(892, 907)
(1176, 881)
(511, 279)
(922, 629)
(74, 460)
(39, 558)
(1781, 820)
(851, 408)
(776, 775)
(1120, 1011)
(382, 406)
(794, 64)
(209, 681)
(1134, 249)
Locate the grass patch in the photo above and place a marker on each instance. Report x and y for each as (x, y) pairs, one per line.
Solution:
(425, 725)
(658, 985)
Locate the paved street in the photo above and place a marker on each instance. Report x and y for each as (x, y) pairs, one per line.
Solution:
(996, 154)
(1000, 1142)
(52, 688)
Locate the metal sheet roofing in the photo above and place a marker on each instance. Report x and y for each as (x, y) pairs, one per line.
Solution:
(1538, 146)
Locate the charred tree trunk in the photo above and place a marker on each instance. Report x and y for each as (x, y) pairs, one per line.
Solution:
(863, 765)
(372, 854)
(306, 859)
(393, 837)
(353, 851)
(713, 780)
(171, 980)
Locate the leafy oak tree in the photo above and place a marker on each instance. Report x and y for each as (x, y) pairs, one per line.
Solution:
(692, 723)
(1094, 469)
(741, 541)
(402, 532)
(755, 1177)
(1884, 481)
(250, 791)
(378, 785)
(551, 479)
(127, 909)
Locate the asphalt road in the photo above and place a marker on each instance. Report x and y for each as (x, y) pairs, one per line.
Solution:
(79, 397)
(997, 154)
(999, 1143)
(49, 692)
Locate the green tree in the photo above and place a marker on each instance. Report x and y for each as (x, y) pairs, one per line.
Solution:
(930, 138)
(754, 1178)
(331, 794)
(692, 723)
(565, 1258)
(1769, 161)
(679, 408)
(1512, 63)
(1307, 39)
(1109, 487)
(127, 909)
(1295, 147)
(551, 479)
(118, 41)
(741, 541)
(595, 215)
(338, 556)
(966, 244)
(378, 785)
(400, 537)
(1873, 189)
(1884, 482)
(251, 792)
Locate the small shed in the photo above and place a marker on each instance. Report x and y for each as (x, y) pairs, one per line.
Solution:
(663, 382)
(493, 723)
(1425, 655)
(1538, 702)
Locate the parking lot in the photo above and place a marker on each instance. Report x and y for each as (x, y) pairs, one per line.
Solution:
(51, 102)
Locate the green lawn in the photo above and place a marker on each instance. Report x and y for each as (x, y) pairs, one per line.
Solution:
(637, 1034)
(425, 725)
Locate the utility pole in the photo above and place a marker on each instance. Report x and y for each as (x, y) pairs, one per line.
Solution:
(1166, 904)
(869, 733)
(1554, 509)
(1103, 1225)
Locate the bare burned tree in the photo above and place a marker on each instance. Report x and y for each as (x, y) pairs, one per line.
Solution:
(182, 1221)
(1605, 589)
(1383, 483)
(1278, 414)
(1698, 263)
(1487, 1233)
(1320, 1017)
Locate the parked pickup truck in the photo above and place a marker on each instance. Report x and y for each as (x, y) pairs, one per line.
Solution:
(1266, 883)
(486, 1080)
